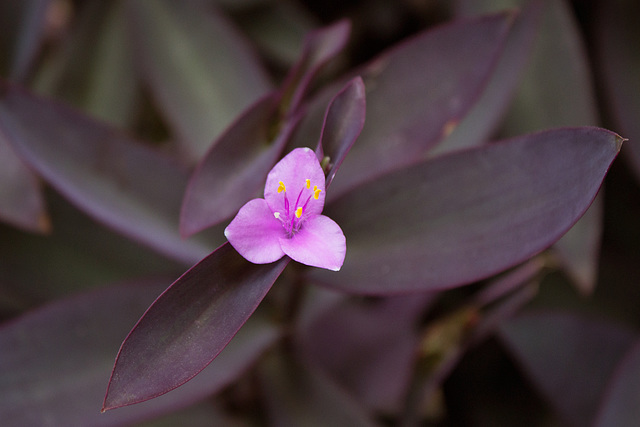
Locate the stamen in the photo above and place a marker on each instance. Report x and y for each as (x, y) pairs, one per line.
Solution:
(316, 192)
(281, 187)
(277, 215)
(308, 183)
(298, 212)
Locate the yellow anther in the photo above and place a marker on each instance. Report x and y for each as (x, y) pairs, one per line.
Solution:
(316, 192)
(298, 212)
(277, 215)
(281, 187)
(308, 183)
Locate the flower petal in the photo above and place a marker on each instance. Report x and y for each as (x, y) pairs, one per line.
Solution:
(255, 233)
(319, 243)
(293, 170)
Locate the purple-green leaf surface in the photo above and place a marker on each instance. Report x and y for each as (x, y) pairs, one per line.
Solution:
(569, 357)
(94, 69)
(463, 217)
(408, 111)
(199, 68)
(55, 360)
(343, 122)
(479, 122)
(189, 325)
(128, 186)
(621, 403)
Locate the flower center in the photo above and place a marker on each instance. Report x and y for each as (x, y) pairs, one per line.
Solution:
(294, 216)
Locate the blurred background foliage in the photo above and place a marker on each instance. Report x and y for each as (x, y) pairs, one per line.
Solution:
(570, 355)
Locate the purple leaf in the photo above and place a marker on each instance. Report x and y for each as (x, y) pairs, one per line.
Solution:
(21, 200)
(621, 403)
(123, 184)
(199, 67)
(618, 49)
(569, 357)
(408, 111)
(343, 122)
(188, 326)
(463, 217)
(234, 169)
(55, 360)
(299, 395)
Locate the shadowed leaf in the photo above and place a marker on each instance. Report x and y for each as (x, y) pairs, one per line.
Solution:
(199, 67)
(116, 180)
(568, 357)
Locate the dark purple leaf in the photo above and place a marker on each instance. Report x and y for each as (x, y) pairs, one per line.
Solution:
(621, 403)
(21, 201)
(459, 218)
(22, 26)
(234, 170)
(409, 111)
(78, 254)
(319, 48)
(123, 184)
(368, 347)
(299, 395)
(189, 325)
(569, 357)
(198, 66)
(55, 360)
(93, 69)
(618, 48)
(343, 122)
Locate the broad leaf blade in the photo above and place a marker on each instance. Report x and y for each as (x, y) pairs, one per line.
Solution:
(460, 218)
(189, 325)
(118, 181)
(569, 357)
(199, 68)
(343, 122)
(55, 360)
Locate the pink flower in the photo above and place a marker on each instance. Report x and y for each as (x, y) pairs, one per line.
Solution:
(288, 220)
